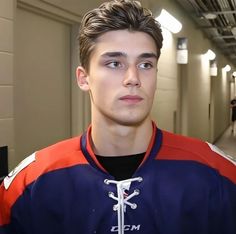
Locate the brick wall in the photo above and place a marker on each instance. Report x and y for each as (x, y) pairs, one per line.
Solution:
(6, 77)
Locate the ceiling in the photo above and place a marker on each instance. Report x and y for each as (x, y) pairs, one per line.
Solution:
(217, 18)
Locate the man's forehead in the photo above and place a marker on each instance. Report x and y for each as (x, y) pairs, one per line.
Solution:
(120, 37)
(123, 43)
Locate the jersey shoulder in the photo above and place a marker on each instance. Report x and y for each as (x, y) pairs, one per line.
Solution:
(178, 147)
(62, 154)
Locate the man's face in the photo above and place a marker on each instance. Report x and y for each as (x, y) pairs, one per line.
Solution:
(121, 77)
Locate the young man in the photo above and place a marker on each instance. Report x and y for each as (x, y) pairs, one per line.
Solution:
(124, 175)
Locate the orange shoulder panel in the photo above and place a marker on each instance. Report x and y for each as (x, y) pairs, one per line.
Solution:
(61, 155)
(177, 147)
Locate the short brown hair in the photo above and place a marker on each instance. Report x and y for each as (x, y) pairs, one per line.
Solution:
(116, 15)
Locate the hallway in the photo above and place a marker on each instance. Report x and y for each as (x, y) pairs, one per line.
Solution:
(227, 142)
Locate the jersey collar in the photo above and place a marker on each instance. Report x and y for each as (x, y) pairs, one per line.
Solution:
(151, 153)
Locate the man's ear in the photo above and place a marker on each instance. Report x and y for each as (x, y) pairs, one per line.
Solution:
(82, 78)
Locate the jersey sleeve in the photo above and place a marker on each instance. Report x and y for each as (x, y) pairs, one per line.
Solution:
(16, 191)
(11, 191)
(10, 218)
(226, 166)
(220, 167)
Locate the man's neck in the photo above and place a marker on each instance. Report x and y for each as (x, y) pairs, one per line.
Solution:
(119, 140)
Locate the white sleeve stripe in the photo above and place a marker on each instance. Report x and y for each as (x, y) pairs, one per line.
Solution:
(222, 153)
(23, 164)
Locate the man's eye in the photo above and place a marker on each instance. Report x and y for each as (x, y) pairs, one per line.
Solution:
(145, 65)
(114, 64)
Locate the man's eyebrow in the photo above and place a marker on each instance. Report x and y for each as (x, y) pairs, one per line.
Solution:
(114, 54)
(148, 55)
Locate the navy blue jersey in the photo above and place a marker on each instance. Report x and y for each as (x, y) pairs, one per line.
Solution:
(182, 186)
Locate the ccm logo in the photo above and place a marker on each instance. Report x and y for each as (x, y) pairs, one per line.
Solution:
(127, 228)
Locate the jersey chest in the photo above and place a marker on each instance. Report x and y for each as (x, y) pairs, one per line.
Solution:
(79, 198)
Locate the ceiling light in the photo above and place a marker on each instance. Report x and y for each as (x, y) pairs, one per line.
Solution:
(227, 68)
(209, 15)
(210, 55)
(233, 30)
(169, 22)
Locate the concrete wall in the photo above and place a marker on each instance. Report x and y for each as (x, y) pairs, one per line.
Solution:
(165, 103)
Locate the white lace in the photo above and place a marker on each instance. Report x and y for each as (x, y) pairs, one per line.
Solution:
(122, 201)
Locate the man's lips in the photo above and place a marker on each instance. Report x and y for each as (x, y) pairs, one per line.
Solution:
(131, 98)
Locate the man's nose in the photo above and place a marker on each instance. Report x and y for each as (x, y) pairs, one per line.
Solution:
(132, 77)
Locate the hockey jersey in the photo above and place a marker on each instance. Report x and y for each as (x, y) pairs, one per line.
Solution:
(182, 186)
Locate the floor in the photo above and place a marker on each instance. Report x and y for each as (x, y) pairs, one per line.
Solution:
(227, 142)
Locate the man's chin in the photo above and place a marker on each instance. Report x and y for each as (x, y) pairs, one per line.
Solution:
(132, 121)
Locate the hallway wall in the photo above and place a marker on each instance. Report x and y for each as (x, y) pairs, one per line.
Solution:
(221, 96)
(201, 102)
(165, 104)
(6, 76)
(42, 95)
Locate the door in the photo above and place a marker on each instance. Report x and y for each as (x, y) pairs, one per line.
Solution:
(42, 82)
